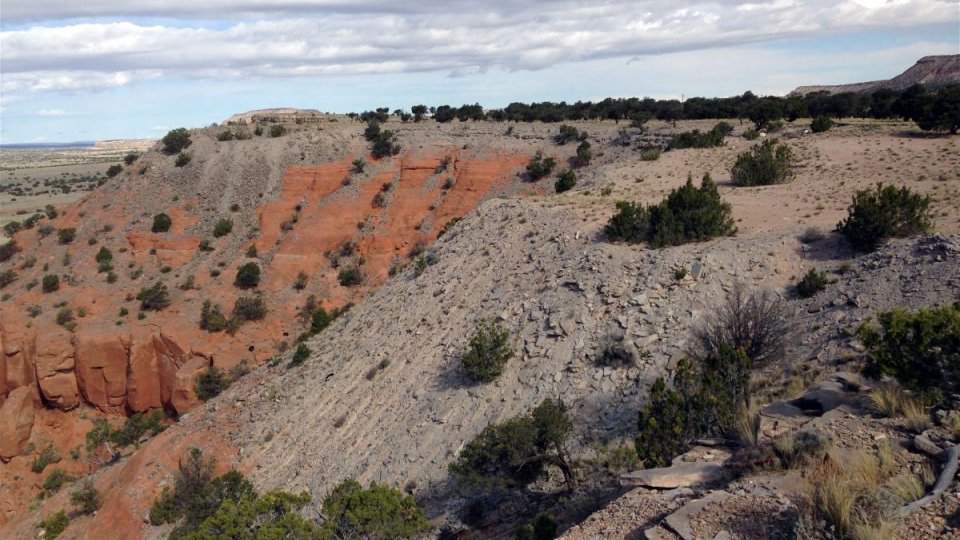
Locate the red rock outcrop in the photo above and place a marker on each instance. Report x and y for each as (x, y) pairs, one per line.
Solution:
(16, 421)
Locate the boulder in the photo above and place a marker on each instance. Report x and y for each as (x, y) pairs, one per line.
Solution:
(183, 399)
(679, 475)
(16, 421)
(144, 390)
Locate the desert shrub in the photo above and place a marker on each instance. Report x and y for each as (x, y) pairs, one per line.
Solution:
(921, 349)
(812, 283)
(86, 498)
(358, 165)
(211, 383)
(211, 317)
(697, 139)
(703, 402)
(129, 159)
(379, 200)
(161, 223)
(50, 283)
(375, 512)
(250, 308)
(114, 170)
(301, 282)
(801, 448)
(350, 276)
(516, 452)
(543, 527)
(182, 159)
(176, 140)
(224, 136)
(104, 255)
(274, 515)
(886, 212)
(751, 134)
(756, 322)
(565, 134)
(766, 163)
(12, 228)
(811, 235)
(8, 249)
(821, 124)
(55, 524)
(565, 181)
(300, 355)
(55, 480)
(613, 352)
(487, 353)
(136, 426)
(385, 144)
(448, 225)
(650, 154)
(540, 166)
(277, 130)
(584, 153)
(154, 297)
(67, 235)
(248, 275)
(47, 456)
(687, 214)
(443, 165)
(222, 227)
(7, 277)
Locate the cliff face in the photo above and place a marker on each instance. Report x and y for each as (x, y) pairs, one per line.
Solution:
(293, 201)
(930, 71)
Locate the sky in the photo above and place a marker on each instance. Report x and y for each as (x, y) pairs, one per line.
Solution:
(73, 70)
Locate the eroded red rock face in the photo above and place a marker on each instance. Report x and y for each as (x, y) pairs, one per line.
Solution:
(104, 367)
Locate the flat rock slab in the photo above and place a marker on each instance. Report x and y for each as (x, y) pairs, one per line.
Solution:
(680, 475)
(679, 521)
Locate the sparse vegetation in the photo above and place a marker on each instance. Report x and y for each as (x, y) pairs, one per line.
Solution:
(350, 276)
(114, 170)
(248, 275)
(757, 322)
(886, 212)
(54, 524)
(176, 140)
(249, 308)
(47, 456)
(378, 511)
(565, 181)
(212, 318)
(211, 383)
(66, 235)
(222, 227)
(300, 355)
(540, 166)
(277, 130)
(821, 124)
(488, 352)
(86, 498)
(697, 139)
(50, 283)
(182, 159)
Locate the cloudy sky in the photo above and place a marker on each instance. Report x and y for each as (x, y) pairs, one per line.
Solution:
(98, 69)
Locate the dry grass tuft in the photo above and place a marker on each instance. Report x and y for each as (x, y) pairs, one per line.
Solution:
(747, 425)
(915, 415)
(891, 401)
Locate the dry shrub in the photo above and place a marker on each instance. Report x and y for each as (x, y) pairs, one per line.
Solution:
(891, 401)
(747, 425)
(757, 322)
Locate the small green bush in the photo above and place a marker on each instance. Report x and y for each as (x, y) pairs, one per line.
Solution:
(277, 130)
(67, 235)
(7, 277)
(565, 134)
(182, 159)
(129, 159)
(385, 144)
(249, 308)
(114, 170)
(65, 317)
(704, 401)
(300, 355)
(516, 452)
(584, 153)
(211, 317)
(921, 349)
(687, 214)
(176, 140)
(223, 227)
(55, 480)
(86, 498)
(136, 426)
(350, 276)
(8, 250)
(812, 283)
(50, 283)
(104, 255)
(697, 139)
(375, 512)
(886, 212)
(540, 166)
(48, 456)
(565, 181)
(488, 352)
(765, 164)
(224, 136)
(358, 165)
(54, 525)
(211, 383)
(751, 134)
(821, 124)
(248, 275)
(161, 223)
(650, 154)
(154, 298)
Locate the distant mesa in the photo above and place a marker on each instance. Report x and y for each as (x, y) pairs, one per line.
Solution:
(273, 115)
(930, 71)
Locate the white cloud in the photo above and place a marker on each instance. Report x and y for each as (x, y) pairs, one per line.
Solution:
(51, 112)
(299, 38)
